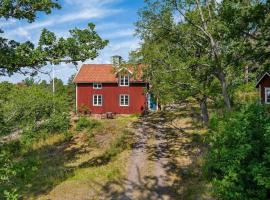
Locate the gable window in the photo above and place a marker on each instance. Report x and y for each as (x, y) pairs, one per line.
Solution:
(97, 85)
(124, 100)
(124, 80)
(97, 100)
(267, 95)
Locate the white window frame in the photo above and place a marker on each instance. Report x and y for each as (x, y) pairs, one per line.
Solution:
(128, 98)
(97, 86)
(97, 103)
(124, 78)
(265, 95)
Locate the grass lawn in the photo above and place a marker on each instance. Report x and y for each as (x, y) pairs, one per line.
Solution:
(75, 165)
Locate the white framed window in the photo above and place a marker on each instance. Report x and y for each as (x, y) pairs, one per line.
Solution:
(267, 95)
(124, 100)
(124, 80)
(97, 85)
(97, 100)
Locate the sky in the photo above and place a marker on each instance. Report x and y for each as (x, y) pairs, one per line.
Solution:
(114, 20)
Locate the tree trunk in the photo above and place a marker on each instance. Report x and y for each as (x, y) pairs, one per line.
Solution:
(246, 79)
(204, 110)
(224, 88)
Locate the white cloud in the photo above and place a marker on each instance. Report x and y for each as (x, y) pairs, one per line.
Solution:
(4, 22)
(22, 32)
(125, 45)
(110, 26)
(66, 18)
(76, 11)
(91, 3)
(119, 34)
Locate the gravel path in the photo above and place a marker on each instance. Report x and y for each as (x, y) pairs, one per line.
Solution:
(136, 163)
(141, 183)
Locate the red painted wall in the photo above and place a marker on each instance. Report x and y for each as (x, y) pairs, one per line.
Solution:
(265, 82)
(110, 93)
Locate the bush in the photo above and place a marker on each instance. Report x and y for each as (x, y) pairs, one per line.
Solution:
(86, 123)
(57, 123)
(34, 109)
(121, 142)
(238, 163)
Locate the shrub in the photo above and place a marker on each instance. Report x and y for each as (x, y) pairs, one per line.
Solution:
(84, 109)
(238, 163)
(121, 142)
(35, 109)
(86, 123)
(57, 123)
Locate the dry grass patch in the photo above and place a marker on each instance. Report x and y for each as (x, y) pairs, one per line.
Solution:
(77, 164)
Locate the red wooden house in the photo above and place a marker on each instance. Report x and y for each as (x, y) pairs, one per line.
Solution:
(264, 88)
(103, 88)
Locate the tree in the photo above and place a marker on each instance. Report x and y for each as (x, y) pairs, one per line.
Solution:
(81, 45)
(178, 67)
(238, 163)
(197, 30)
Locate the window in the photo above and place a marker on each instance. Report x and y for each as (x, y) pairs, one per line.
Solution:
(267, 95)
(97, 100)
(97, 85)
(124, 100)
(124, 80)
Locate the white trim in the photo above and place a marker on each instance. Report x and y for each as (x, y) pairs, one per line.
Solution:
(77, 74)
(123, 68)
(119, 80)
(95, 86)
(266, 73)
(76, 98)
(260, 93)
(124, 100)
(265, 95)
(93, 101)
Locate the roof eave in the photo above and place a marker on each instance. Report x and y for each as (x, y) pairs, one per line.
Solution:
(76, 82)
(258, 82)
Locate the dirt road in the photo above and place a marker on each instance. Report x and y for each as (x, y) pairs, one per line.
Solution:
(165, 162)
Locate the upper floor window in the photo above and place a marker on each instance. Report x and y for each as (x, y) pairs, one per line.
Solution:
(124, 80)
(97, 85)
(97, 100)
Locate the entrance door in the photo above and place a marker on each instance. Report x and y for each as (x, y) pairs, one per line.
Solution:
(152, 103)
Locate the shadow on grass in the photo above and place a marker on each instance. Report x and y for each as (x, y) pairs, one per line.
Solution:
(40, 170)
(181, 151)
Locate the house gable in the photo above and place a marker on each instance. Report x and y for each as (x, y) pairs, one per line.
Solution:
(261, 80)
(104, 73)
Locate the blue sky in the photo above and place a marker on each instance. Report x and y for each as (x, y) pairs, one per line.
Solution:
(114, 21)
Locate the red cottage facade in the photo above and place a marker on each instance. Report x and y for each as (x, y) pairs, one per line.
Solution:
(103, 88)
(264, 88)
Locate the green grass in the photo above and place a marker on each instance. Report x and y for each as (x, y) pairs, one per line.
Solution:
(69, 158)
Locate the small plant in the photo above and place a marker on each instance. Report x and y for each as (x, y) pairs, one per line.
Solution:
(84, 109)
(121, 143)
(11, 195)
(86, 123)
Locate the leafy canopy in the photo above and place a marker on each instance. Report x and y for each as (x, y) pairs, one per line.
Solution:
(14, 56)
(238, 163)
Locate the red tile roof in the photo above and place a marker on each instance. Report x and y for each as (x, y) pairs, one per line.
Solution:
(101, 73)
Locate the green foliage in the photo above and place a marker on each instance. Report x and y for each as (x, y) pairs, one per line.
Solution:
(11, 195)
(238, 162)
(26, 9)
(245, 93)
(86, 123)
(32, 110)
(81, 45)
(120, 143)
